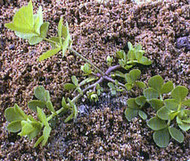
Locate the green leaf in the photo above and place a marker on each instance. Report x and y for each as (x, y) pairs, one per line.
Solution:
(70, 117)
(56, 40)
(74, 80)
(49, 53)
(86, 69)
(14, 126)
(23, 20)
(141, 100)
(183, 126)
(11, 114)
(44, 29)
(179, 93)
(140, 84)
(156, 82)
(37, 128)
(134, 74)
(69, 86)
(176, 134)
(144, 61)
(60, 25)
(128, 78)
(130, 46)
(130, 113)
(119, 74)
(42, 117)
(128, 86)
(67, 41)
(27, 128)
(46, 134)
(143, 115)
(186, 102)
(41, 94)
(40, 139)
(120, 54)
(171, 104)
(167, 87)
(35, 40)
(38, 20)
(173, 114)
(150, 93)
(161, 138)
(156, 124)
(156, 103)
(33, 104)
(50, 106)
(132, 104)
(63, 102)
(163, 113)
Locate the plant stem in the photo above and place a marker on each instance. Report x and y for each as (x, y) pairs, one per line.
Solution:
(51, 41)
(86, 60)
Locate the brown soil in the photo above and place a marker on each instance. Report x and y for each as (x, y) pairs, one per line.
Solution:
(97, 30)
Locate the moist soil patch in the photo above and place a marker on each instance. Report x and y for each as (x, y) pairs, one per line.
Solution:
(101, 131)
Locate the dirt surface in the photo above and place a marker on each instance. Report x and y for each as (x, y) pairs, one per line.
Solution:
(98, 30)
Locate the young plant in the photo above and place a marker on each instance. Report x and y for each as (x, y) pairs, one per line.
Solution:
(167, 110)
(31, 27)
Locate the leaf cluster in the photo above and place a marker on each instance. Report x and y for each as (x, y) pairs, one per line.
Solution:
(174, 108)
(133, 56)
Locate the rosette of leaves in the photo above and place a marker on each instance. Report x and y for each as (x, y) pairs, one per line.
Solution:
(31, 27)
(167, 110)
(26, 124)
(133, 56)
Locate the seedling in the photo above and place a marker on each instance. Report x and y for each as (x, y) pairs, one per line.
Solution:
(31, 27)
(168, 110)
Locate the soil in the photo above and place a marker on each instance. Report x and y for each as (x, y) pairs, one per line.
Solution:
(98, 29)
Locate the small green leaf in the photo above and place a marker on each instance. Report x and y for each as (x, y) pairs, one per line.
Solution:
(128, 86)
(130, 46)
(74, 80)
(37, 128)
(132, 104)
(63, 102)
(44, 29)
(56, 40)
(184, 126)
(40, 93)
(173, 114)
(69, 86)
(33, 104)
(179, 93)
(42, 117)
(176, 134)
(171, 104)
(109, 60)
(38, 20)
(11, 114)
(135, 74)
(140, 84)
(186, 102)
(35, 40)
(130, 113)
(128, 78)
(49, 53)
(50, 106)
(40, 139)
(27, 128)
(143, 115)
(14, 126)
(120, 54)
(60, 25)
(156, 82)
(86, 69)
(156, 124)
(167, 87)
(23, 20)
(70, 117)
(163, 113)
(161, 138)
(150, 93)
(119, 74)
(156, 103)
(144, 61)
(46, 134)
(141, 100)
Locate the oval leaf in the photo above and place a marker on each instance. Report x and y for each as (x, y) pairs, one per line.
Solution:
(156, 103)
(130, 113)
(167, 87)
(179, 93)
(156, 82)
(161, 138)
(176, 134)
(156, 124)
(33, 104)
(49, 53)
(163, 113)
(150, 93)
(143, 115)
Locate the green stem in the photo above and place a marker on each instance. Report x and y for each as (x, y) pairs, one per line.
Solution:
(161, 98)
(51, 41)
(86, 60)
